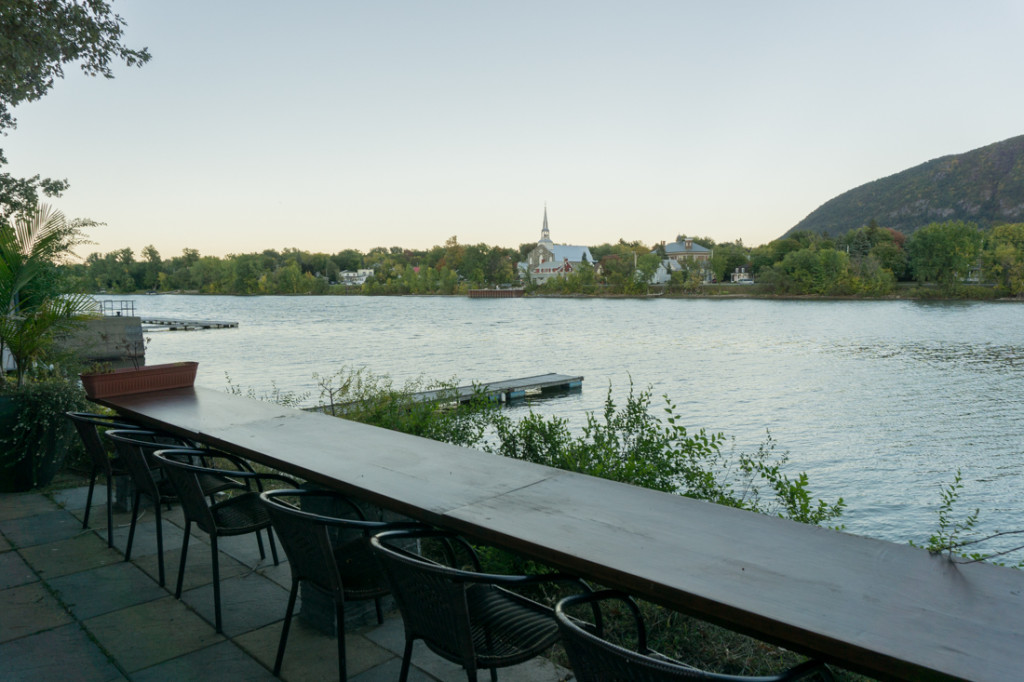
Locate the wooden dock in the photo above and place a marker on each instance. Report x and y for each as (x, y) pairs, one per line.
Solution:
(177, 324)
(505, 391)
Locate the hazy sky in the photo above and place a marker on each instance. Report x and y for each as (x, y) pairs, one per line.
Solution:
(327, 125)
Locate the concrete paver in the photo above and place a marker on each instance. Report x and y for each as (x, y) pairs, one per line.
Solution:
(78, 553)
(63, 653)
(109, 588)
(37, 610)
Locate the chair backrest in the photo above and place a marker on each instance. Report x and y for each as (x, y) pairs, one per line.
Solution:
(88, 426)
(431, 596)
(595, 659)
(306, 535)
(135, 448)
(179, 466)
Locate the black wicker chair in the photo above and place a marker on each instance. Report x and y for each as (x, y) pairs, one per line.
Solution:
(239, 514)
(465, 616)
(326, 537)
(135, 448)
(595, 659)
(88, 426)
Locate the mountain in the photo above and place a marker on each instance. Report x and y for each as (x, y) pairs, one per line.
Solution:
(984, 186)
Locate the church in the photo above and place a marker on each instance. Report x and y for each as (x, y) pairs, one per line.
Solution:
(549, 260)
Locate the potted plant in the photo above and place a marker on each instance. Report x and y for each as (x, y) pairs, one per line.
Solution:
(34, 433)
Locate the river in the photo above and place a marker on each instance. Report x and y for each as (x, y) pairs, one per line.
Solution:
(880, 402)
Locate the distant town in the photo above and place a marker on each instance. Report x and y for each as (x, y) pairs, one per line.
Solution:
(947, 259)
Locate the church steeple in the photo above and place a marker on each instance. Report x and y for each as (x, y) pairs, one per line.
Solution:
(545, 234)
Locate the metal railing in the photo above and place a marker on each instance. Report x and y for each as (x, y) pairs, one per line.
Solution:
(117, 308)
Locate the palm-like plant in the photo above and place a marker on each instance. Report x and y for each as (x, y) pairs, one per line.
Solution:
(32, 312)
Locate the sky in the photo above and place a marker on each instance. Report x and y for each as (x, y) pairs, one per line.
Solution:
(326, 125)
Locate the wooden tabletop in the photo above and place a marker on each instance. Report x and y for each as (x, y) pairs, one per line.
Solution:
(888, 610)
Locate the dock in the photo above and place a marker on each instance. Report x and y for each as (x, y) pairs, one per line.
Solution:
(177, 324)
(496, 293)
(505, 391)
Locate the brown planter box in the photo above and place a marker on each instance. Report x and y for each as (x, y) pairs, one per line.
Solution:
(141, 380)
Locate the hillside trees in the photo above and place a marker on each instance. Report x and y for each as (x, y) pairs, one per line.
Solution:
(944, 253)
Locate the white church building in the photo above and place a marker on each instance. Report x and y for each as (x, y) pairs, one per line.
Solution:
(549, 260)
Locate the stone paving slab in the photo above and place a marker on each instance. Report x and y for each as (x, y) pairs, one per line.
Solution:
(5, 546)
(248, 602)
(198, 566)
(63, 557)
(20, 505)
(41, 529)
(222, 660)
(14, 571)
(102, 590)
(142, 636)
(29, 609)
(64, 653)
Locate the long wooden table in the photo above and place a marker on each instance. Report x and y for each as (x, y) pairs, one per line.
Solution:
(888, 610)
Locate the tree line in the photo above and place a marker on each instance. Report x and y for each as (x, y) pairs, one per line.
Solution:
(946, 259)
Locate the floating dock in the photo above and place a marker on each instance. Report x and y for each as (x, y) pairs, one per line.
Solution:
(176, 324)
(501, 391)
(505, 391)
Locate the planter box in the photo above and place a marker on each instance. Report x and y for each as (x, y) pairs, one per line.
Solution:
(141, 380)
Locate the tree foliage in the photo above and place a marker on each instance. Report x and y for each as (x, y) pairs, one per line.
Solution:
(944, 253)
(37, 39)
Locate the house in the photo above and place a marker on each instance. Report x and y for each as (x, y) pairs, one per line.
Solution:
(687, 250)
(549, 260)
(679, 256)
(663, 275)
(742, 276)
(357, 278)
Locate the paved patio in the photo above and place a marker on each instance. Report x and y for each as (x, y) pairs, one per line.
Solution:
(72, 608)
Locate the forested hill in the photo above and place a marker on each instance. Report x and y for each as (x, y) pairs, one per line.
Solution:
(984, 186)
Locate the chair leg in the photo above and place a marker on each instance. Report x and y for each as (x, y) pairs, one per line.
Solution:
(406, 660)
(110, 511)
(88, 498)
(287, 625)
(273, 547)
(160, 544)
(342, 665)
(216, 583)
(494, 675)
(380, 611)
(259, 543)
(181, 564)
(131, 531)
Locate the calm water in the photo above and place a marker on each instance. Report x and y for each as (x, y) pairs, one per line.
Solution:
(879, 402)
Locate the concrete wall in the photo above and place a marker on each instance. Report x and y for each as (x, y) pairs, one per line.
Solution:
(108, 339)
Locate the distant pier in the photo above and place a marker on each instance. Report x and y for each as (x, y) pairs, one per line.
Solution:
(177, 324)
(496, 293)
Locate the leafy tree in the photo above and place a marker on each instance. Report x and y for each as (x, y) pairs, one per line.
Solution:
(944, 253)
(813, 271)
(38, 37)
(727, 257)
(1003, 258)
